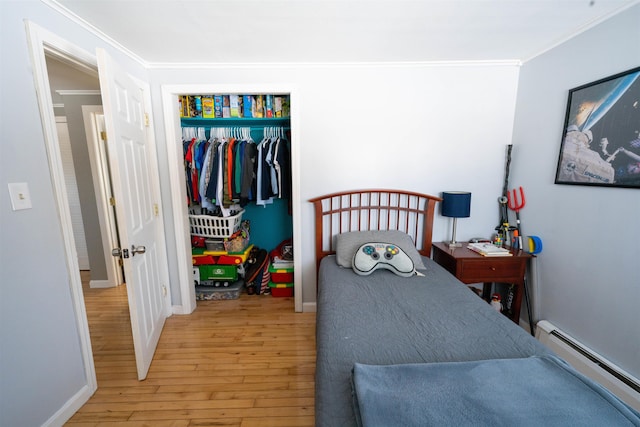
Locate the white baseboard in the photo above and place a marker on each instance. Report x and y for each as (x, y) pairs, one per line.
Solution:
(590, 363)
(179, 309)
(83, 263)
(100, 284)
(308, 307)
(70, 407)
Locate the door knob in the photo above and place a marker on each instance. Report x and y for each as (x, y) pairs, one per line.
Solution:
(137, 250)
(120, 253)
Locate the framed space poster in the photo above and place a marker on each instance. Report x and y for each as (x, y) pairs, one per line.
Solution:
(600, 139)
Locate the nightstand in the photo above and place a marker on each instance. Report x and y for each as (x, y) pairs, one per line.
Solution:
(470, 267)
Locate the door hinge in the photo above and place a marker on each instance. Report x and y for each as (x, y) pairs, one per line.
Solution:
(164, 291)
(156, 211)
(112, 201)
(103, 135)
(146, 119)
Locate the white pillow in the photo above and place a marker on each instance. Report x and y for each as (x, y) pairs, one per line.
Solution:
(348, 243)
(374, 256)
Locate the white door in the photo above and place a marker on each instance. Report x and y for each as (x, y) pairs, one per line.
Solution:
(136, 190)
(95, 130)
(71, 183)
(113, 268)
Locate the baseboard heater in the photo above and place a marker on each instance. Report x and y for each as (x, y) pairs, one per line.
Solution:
(591, 364)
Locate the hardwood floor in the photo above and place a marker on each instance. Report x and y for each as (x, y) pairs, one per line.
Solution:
(245, 362)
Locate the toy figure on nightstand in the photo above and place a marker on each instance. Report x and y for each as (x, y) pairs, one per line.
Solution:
(495, 302)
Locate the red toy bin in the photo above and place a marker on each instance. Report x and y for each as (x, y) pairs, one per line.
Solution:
(281, 275)
(281, 289)
(203, 259)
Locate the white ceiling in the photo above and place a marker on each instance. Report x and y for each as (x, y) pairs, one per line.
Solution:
(312, 31)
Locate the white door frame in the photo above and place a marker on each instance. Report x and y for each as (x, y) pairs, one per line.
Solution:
(177, 177)
(41, 40)
(93, 127)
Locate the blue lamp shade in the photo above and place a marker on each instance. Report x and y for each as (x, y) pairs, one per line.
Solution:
(456, 204)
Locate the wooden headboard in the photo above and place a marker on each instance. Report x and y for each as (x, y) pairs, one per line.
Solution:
(363, 210)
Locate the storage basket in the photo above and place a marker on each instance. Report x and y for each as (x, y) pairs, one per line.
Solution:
(214, 226)
(281, 289)
(214, 244)
(281, 275)
(237, 244)
(208, 293)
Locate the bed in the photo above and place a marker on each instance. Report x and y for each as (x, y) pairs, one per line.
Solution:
(424, 349)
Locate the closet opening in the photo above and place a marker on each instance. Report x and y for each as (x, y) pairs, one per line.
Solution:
(235, 162)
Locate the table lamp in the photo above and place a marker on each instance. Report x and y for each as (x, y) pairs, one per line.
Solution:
(456, 204)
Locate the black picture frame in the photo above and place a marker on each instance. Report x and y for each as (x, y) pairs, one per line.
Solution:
(601, 135)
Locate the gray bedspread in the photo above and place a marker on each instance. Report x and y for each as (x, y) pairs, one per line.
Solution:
(384, 319)
(533, 391)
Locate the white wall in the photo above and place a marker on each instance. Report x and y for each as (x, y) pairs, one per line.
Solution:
(41, 368)
(588, 277)
(422, 128)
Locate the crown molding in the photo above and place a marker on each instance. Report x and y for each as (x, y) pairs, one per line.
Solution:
(93, 30)
(299, 65)
(78, 92)
(581, 30)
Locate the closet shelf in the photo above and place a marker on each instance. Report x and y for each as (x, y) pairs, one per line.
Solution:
(235, 121)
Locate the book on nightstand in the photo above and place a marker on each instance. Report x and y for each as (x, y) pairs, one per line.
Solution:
(489, 249)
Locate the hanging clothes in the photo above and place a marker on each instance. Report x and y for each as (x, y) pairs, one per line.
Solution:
(192, 137)
(230, 169)
(282, 164)
(264, 196)
(248, 179)
(212, 185)
(205, 177)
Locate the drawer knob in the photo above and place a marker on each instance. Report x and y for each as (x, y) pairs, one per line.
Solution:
(493, 269)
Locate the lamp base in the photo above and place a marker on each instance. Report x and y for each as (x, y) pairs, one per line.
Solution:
(453, 244)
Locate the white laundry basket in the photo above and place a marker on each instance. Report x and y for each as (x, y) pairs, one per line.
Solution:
(214, 226)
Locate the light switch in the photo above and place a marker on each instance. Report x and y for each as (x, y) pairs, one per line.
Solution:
(20, 197)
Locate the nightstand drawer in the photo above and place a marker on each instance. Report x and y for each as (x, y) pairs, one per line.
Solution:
(491, 270)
